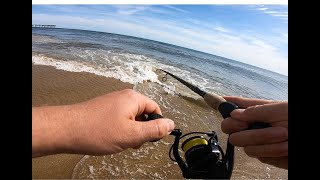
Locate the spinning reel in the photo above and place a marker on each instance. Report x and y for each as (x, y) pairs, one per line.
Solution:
(204, 157)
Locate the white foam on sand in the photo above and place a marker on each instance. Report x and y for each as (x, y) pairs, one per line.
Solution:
(131, 72)
(127, 67)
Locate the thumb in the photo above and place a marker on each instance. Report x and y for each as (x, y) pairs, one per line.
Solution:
(154, 129)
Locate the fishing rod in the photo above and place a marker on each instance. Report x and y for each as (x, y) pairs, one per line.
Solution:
(215, 101)
(204, 157)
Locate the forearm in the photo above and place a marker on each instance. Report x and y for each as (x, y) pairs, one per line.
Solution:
(50, 134)
(100, 126)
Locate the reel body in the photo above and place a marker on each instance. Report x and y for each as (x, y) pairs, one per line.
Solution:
(204, 158)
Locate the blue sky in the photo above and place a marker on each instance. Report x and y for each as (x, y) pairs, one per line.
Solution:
(253, 34)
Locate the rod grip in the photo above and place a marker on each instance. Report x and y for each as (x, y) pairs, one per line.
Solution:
(225, 108)
(153, 116)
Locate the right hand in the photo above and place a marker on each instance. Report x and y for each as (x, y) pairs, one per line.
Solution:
(269, 145)
(104, 125)
(109, 124)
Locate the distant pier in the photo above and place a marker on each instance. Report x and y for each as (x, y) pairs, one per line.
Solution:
(43, 25)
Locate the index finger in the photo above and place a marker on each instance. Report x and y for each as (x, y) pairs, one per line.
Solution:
(247, 102)
(147, 106)
(268, 113)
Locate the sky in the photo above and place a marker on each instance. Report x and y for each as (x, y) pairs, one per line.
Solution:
(253, 34)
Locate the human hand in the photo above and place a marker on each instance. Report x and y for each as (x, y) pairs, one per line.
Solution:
(269, 145)
(104, 125)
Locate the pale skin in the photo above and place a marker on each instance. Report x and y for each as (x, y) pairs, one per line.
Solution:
(269, 145)
(105, 125)
(110, 123)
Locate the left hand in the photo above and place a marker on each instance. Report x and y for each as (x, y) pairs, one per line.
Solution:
(269, 145)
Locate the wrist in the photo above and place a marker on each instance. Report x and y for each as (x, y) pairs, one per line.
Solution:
(51, 132)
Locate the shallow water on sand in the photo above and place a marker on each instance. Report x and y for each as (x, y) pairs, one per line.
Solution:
(135, 60)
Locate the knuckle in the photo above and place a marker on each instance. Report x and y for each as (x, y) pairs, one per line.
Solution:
(275, 134)
(130, 93)
(224, 126)
(283, 133)
(137, 133)
(230, 125)
(283, 149)
(253, 109)
(136, 130)
(160, 132)
(232, 139)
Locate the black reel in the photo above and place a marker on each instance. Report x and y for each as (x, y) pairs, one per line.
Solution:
(204, 157)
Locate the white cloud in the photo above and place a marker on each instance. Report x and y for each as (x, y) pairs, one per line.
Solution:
(221, 29)
(262, 9)
(250, 49)
(271, 12)
(129, 9)
(282, 13)
(177, 9)
(254, 54)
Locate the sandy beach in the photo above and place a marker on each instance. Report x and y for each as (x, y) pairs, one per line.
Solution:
(57, 87)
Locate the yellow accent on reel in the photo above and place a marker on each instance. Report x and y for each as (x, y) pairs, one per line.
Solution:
(194, 142)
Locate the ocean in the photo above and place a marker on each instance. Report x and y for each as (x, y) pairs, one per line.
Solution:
(136, 60)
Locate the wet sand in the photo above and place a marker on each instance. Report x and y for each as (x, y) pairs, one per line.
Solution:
(57, 87)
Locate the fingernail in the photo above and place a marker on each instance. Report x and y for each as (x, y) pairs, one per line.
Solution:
(237, 113)
(170, 125)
